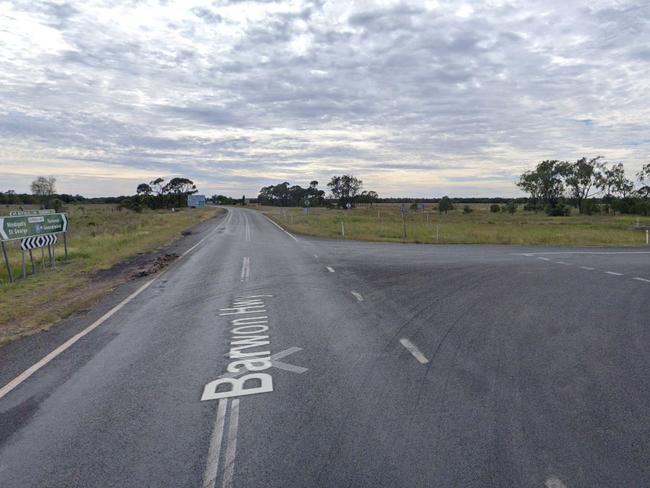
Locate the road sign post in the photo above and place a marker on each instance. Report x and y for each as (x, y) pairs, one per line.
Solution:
(9, 272)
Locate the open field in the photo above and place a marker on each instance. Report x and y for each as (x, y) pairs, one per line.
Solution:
(383, 222)
(99, 237)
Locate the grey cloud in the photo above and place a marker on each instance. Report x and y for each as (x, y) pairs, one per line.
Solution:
(430, 90)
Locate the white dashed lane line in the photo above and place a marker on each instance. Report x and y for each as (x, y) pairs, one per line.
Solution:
(357, 296)
(330, 269)
(412, 348)
(589, 268)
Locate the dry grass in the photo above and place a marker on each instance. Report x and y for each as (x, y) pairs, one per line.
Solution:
(384, 222)
(100, 236)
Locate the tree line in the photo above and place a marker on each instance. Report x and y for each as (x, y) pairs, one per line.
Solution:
(590, 185)
(344, 190)
(158, 194)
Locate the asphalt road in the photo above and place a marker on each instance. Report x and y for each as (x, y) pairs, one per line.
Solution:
(371, 365)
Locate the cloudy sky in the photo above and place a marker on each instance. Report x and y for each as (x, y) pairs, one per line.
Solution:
(416, 98)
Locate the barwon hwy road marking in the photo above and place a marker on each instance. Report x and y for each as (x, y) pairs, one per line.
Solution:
(412, 348)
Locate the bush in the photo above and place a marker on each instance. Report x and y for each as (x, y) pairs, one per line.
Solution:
(560, 210)
(510, 207)
(131, 204)
(495, 208)
(467, 209)
(57, 205)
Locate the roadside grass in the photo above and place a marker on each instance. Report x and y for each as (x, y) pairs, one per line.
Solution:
(383, 222)
(99, 237)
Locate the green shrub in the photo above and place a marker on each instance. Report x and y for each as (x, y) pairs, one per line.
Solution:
(495, 208)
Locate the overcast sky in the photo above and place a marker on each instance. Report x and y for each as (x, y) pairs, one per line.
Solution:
(415, 98)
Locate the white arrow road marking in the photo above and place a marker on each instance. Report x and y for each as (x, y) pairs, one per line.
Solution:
(275, 363)
(412, 348)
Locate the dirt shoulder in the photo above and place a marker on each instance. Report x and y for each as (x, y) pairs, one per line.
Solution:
(43, 302)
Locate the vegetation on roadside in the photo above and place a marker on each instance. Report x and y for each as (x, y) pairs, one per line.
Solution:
(100, 236)
(482, 225)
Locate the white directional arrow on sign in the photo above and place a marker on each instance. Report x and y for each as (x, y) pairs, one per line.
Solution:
(2, 229)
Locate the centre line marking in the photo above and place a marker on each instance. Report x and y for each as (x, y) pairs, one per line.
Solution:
(357, 296)
(562, 262)
(588, 268)
(246, 269)
(412, 348)
(231, 449)
(613, 273)
(641, 279)
(543, 259)
(330, 269)
(212, 466)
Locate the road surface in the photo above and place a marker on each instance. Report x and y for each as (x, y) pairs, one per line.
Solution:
(365, 365)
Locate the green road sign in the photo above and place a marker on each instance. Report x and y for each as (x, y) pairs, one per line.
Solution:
(18, 227)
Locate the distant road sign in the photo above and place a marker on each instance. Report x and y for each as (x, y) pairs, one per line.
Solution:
(21, 226)
(196, 201)
(38, 241)
(20, 213)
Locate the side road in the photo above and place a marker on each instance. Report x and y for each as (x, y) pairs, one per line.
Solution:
(16, 356)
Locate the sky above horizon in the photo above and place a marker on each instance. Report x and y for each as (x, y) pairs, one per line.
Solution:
(419, 98)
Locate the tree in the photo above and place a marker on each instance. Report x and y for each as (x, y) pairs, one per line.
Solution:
(445, 205)
(344, 188)
(582, 178)
(158, 186)
(144, 190)
(495, 208)
(181, 187)
(644, 178)
(544, 184)
(43, 188)
(614, 184)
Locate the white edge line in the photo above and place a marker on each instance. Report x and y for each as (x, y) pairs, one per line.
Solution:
(412, 348)
(212, 466)
(70, 342)
(67, 344)
(641, 279)
(280, 227)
